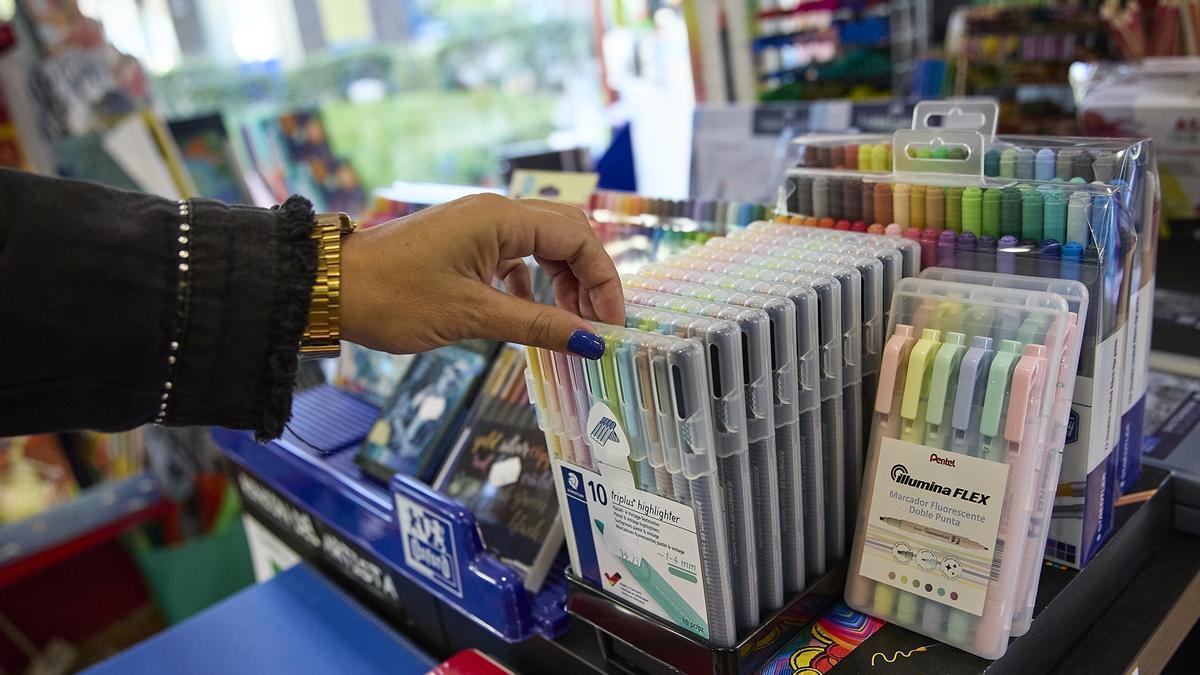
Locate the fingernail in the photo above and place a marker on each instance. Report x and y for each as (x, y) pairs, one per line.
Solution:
(586, 344)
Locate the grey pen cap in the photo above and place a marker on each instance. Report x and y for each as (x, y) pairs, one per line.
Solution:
(972, 377)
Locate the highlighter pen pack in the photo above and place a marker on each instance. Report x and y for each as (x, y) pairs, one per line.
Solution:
(615, 530)
(963, 416)
(853, 323)
(801, 300)
(1091, 217)
(837, 330)
(722, 345)
(760, 427)
(1076, 296)
(779, 326)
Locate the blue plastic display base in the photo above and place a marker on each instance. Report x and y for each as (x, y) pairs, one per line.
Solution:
(298, 622)
(307, 487)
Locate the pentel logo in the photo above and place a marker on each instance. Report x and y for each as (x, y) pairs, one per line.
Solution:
(944, 461)
(900, 475)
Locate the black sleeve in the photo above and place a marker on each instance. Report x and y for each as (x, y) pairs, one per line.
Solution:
(118, 309)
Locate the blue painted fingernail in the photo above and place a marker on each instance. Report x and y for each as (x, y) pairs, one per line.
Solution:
(586, 344)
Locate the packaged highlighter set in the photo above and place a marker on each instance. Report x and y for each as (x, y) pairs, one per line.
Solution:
(1046, 477)
(636, 470)
(1085, 209)
(789, 303)
(963, 419)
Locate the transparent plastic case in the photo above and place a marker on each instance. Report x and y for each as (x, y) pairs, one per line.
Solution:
(674, 373)
(781, 342)
(722, 345)
(792, 260)
(754, 325)
(1004, 390)
(1076, 296)
(820, 382)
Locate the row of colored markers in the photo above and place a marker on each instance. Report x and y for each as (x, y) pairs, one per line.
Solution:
(948, 219)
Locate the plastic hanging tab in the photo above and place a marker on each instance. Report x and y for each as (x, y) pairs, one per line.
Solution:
(917, 154)
(979, 114)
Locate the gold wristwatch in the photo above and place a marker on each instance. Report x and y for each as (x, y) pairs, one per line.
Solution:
(322, 337)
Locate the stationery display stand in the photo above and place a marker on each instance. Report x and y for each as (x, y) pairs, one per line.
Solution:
(632, 640)
(413, 552)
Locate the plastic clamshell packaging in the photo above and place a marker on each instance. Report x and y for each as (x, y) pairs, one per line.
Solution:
(1006, 346)
(800, 301)
(829, 367)
(671, 372)
(722, 346)
(756, 381)
(780, 341)
(1046, 477)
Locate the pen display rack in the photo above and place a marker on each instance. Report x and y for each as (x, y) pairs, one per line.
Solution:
(411, 548)
(972, 389)
(1051, 207)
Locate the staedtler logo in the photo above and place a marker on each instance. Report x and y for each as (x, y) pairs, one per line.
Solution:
(944, 461)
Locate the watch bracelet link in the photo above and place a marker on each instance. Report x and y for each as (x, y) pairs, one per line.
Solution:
(322, 336)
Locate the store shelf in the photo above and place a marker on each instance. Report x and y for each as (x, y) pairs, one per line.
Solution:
(94, 516)
(318, 502)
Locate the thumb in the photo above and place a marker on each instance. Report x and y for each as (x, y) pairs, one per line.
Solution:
(512, 319)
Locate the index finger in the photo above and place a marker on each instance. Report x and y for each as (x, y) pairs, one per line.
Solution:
(561, 233)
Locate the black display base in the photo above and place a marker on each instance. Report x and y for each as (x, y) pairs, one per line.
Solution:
(1069, 602)
(637, 642)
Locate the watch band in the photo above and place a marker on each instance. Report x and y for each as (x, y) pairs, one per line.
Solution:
(322, 336)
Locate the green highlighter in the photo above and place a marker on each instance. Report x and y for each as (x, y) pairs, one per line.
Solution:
(658, 588)
(941, 390)
(996, 399)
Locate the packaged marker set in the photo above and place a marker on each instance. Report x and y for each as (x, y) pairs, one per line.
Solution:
(636, 468)
(973, 392)
(1070, 208)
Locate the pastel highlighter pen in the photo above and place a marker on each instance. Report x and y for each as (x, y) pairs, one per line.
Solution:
(804, 195)
(991, 163)
(990, 221)
(1063, 163)
(1072, 253)
(893, 366)
(836, 206)
(912, 429)
(935, 207)
(917, 204)
(882, 198)
(1054, 215)
(1049, 265)
(929, 247)
(986, 246)
(852, 199)
(1008, 163)
(969, 395)
(1043, 164)
(1006, 256)
(1010, 211)
(1104, 168)
(893, 230)
(995, 400)
(851, 156)
(1031, 216)
(972, 210)
(901, 207)
(1022, 430)
(1025, 163)
(1079, 206)
(942, 385)
(866, 194)
(876, 228)
(881, 159)
(946, 244)
(1081, 166)
(964, 251)
(953, 208)
(820, 197)
(864, 157)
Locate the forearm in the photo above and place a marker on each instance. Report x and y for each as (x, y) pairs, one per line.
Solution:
(114, 304)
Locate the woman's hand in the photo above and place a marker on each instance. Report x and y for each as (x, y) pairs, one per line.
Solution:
(424, 281)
